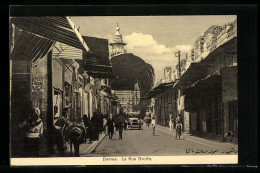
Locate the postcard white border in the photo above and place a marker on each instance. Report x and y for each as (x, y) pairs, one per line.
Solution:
(126, 160)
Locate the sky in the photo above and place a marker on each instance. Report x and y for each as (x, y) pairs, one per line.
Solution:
(155, 39)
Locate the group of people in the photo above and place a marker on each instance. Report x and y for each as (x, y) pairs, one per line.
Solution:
(119, 122)
(94, 126)
(174, 123)
(33, 128)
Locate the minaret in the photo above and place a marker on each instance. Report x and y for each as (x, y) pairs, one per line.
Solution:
(117, 44)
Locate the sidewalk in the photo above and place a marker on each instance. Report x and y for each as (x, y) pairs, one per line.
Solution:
(85, 148)
(198, 140)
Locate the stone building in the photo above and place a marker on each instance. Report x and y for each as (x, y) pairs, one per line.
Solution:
(129, 99)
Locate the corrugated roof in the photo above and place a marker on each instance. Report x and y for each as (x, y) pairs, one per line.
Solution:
(61, 50)
(30, 46)
(58, 28)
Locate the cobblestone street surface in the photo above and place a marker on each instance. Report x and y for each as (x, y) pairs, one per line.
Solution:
(143, 143)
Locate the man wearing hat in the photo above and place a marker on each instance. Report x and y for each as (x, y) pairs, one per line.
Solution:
(34, 130)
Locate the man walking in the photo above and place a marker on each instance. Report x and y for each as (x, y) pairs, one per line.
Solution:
(120, 125)
(110, 125)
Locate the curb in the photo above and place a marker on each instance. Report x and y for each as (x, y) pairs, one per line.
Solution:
(187, 139)
(91, 148)
(191, 140)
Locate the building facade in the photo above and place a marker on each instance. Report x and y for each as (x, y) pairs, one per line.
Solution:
(206, 93)
(129, 99)
(47, 73)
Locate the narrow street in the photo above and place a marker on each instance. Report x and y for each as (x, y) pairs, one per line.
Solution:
(72, 76)
(143, 143)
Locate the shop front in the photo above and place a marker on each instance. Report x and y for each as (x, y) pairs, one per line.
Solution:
(203, 103)
(37, 77)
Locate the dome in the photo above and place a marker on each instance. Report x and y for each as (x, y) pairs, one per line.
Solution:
(117, 39)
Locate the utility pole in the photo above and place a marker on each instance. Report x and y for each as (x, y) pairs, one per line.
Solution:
(178, 54)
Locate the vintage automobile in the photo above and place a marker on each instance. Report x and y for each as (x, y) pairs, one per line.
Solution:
(134, 121)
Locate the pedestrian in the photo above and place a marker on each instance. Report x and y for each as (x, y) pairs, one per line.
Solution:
(125, 123)
(149, 121)
(178, 129)
(120, 125)
(104, 123)
(89, 128)
(34, 130)
(145, 120)
(178, 118)
(59, 127)
(174, 122)
(95, 126)
(170, 121)
(153, 125)
(110, 125)
(228, 137)
(100, 123)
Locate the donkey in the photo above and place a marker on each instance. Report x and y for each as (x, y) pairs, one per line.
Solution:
(74, 134)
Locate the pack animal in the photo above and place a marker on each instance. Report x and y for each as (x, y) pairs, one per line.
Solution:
(74, 134)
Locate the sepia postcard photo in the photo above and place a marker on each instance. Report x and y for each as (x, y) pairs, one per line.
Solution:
(123, 90)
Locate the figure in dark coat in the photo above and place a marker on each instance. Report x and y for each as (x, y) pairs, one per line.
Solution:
(110, 125)
(89, 128)
(120, 126)
(95, 124)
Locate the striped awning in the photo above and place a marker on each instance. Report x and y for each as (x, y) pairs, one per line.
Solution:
(59, 29)
(30, 47)
(65, 51)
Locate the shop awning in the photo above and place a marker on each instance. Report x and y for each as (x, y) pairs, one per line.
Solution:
(96, 63)
(194, 93)
(30, 47)
(59, 29)
(158, 90)
(223, 56)
(104, 75)
(96, 71)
